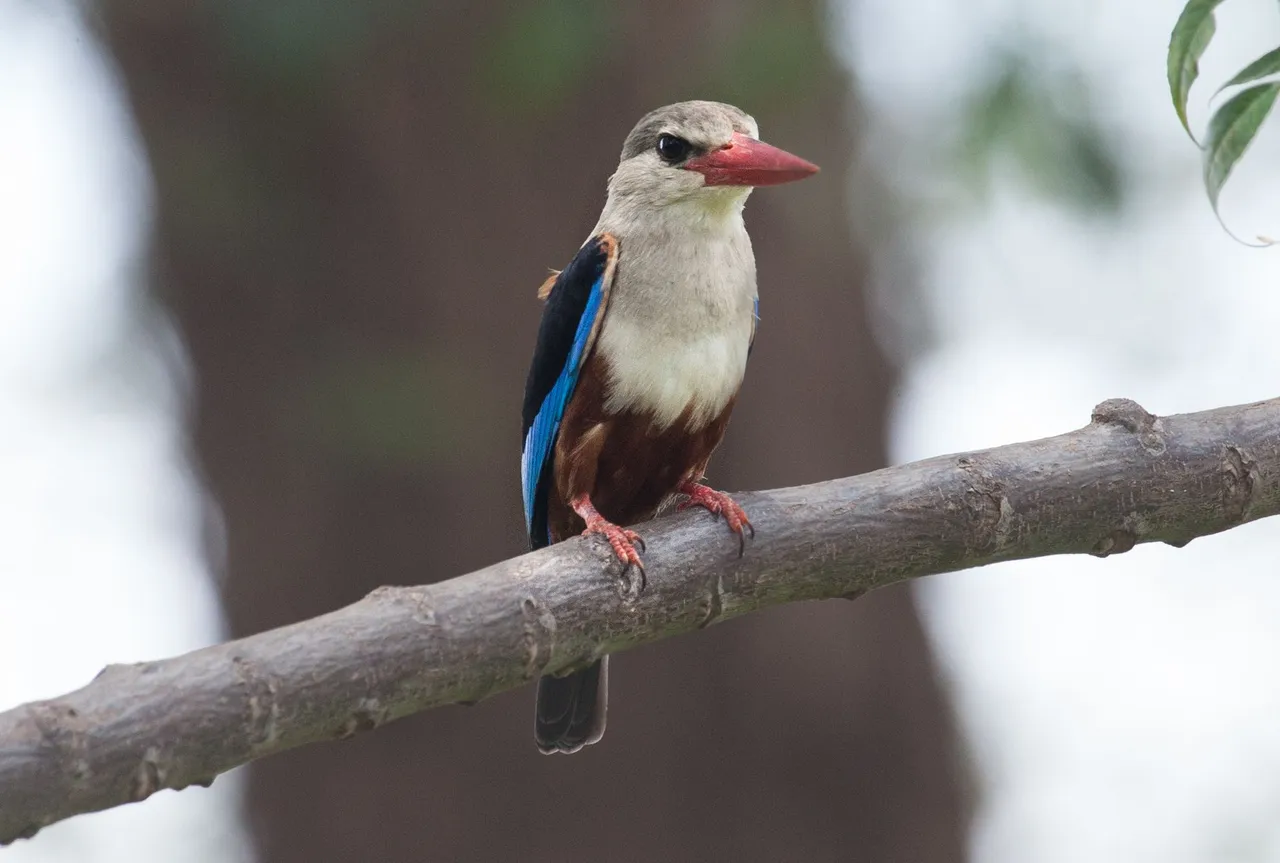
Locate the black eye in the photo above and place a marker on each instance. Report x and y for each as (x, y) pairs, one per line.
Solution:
(672, 149)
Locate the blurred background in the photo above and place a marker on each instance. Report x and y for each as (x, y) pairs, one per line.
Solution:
(267, 277)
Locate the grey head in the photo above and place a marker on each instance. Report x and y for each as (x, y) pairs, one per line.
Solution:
(705, 154)
(703, 125)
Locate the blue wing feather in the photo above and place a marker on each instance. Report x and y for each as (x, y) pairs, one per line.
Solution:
(575, 306)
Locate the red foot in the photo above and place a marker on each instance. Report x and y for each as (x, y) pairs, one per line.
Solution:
(720, 503)
(621, 540)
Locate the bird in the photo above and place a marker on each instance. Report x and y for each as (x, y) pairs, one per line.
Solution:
(640, 353)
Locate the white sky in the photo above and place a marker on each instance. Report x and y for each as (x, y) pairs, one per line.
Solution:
(1121, 709)
(100, 519)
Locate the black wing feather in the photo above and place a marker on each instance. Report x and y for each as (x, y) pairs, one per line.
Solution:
(564, 338)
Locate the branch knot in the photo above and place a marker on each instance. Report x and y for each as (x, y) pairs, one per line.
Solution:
(1126, 413)
(1239, 469)
(539, 634)
(1133, 418)
(987, 507)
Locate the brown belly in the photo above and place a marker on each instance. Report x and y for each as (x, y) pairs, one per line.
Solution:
(628, 466)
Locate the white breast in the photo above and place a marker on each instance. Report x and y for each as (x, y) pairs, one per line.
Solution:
(664, 376)
(679, 322)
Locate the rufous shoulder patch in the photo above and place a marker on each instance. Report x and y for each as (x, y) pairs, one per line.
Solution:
(608, 243)
(544, 290)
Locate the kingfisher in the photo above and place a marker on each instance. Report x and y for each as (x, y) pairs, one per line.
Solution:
(640, 354)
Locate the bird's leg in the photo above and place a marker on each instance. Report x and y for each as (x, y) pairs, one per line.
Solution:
(622, 540)
(719, 503)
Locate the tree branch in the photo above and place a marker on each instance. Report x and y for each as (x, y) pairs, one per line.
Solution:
(1126, 478)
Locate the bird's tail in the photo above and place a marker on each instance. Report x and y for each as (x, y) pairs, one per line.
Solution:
(571, 709)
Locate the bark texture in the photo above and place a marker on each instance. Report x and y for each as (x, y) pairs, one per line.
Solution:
(1126, 478)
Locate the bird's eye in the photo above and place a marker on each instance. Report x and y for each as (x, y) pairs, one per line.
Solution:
(672, 149)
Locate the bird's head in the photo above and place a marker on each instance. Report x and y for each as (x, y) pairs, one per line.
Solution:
(701, 154)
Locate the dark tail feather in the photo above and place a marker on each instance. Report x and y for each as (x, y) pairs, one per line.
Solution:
(571, 709)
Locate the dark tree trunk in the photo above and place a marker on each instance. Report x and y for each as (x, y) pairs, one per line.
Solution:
(356, 203)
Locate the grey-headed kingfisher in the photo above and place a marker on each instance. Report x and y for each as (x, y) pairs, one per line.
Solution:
(641, 351)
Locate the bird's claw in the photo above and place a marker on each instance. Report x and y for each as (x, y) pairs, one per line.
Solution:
(623, 541)
(719, 503)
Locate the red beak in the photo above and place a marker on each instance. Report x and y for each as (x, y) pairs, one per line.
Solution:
(747, 162)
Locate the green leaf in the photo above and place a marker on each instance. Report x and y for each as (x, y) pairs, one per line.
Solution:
(1267, 64)
(1190, 37)
(1231, 131)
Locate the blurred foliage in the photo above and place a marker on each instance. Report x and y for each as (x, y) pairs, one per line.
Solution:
(1042, 123)
(774, 54)
(1234, 125)
(233, 190)
(542, 53)
(395, 410)
(291, 42)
